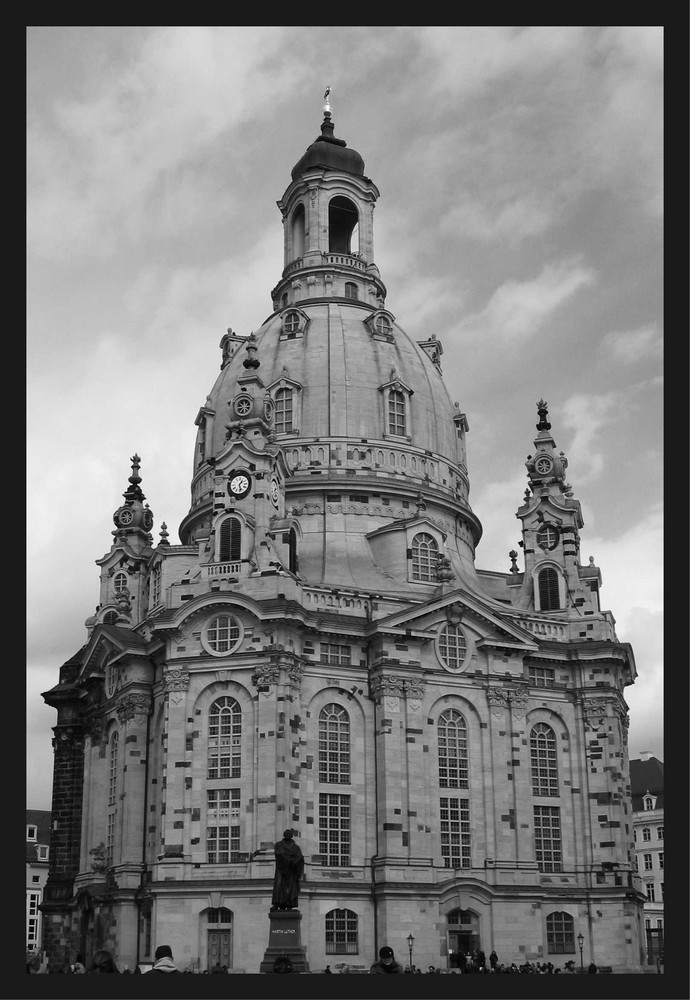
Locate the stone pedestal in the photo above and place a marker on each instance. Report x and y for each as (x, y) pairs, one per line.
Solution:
(284, 939)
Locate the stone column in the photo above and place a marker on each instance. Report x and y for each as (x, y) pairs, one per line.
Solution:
(133, 710)
(176, 767)
(387, 691)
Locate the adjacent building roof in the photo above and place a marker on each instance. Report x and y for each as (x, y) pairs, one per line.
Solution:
(40, 818)
(647, 776)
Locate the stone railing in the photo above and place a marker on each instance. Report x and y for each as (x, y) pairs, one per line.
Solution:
(548, 629)
(218, 571)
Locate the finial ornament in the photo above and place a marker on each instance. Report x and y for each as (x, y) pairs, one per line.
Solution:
(136, 465)
(542, 410)
(327, 106)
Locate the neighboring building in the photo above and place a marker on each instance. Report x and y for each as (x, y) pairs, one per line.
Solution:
(320, 652)
(37, 860)
(647, 788)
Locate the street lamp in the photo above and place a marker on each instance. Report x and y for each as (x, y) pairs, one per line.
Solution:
(410, 942)
(581, 941)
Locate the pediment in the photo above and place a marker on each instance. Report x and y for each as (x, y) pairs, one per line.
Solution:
(111, 642)
(460, 606)
(418, 522)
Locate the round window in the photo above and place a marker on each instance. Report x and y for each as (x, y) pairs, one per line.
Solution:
(452, 646)
(543, 465)
(547, 537)
(242, 405)
(222, 635)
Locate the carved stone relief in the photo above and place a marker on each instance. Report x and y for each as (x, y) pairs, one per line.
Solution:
(67, 741)
(133, 707)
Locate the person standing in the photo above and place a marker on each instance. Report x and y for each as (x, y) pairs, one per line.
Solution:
(386, 963)
(493, 959)
(103, 962)
(288, 873)
(163, 961)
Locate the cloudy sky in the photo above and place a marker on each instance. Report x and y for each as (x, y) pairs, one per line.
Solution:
(520, 220)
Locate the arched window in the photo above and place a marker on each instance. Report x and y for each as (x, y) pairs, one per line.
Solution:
(452, 646)
(157, 580)
(222, 825)
(120, 582)
(547, 838)
(298, 232)
(383, 325)
(113, 775)
(549, 597)
(334, 745)
(454, 825)
(112, 771)
(646, 833)
(351, 290)
(283, 411)
(424, 557)
(291, 322)
(342, 222)
(396, 412)
(560, 935)
(293, 561)
(111, 674)
(230, 542)
(452, 749)
(225, 739)
(110, 617)
(543, 761)
(341, 932)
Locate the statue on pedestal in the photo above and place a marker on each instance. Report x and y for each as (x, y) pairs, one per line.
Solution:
(288, 873)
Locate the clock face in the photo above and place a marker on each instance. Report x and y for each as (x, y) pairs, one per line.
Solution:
(543, 465)
(275, 493)
(125, 516)
(239, 484)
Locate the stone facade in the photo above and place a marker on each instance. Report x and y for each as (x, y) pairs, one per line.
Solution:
(319, 652)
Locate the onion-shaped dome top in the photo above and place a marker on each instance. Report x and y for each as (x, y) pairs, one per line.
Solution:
(329, 153)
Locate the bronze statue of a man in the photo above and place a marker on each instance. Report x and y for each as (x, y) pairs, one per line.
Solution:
(289, 870)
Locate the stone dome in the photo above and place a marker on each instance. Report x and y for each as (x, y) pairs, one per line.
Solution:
(372, 443)
(329, 153)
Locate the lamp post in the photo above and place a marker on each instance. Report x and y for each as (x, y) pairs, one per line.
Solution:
(410, 942)
(581, 941)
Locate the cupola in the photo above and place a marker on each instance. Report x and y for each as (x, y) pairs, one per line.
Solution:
(328, 226)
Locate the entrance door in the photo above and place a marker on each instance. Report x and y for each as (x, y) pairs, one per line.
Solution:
(219, 948)
(463, 936)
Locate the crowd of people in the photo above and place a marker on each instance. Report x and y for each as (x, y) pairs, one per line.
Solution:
(471, 962)
(474, 962)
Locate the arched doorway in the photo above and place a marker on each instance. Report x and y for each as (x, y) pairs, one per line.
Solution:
(219, 937)
(462, 928)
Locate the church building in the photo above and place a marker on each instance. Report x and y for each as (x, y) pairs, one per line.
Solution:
(319, 653)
